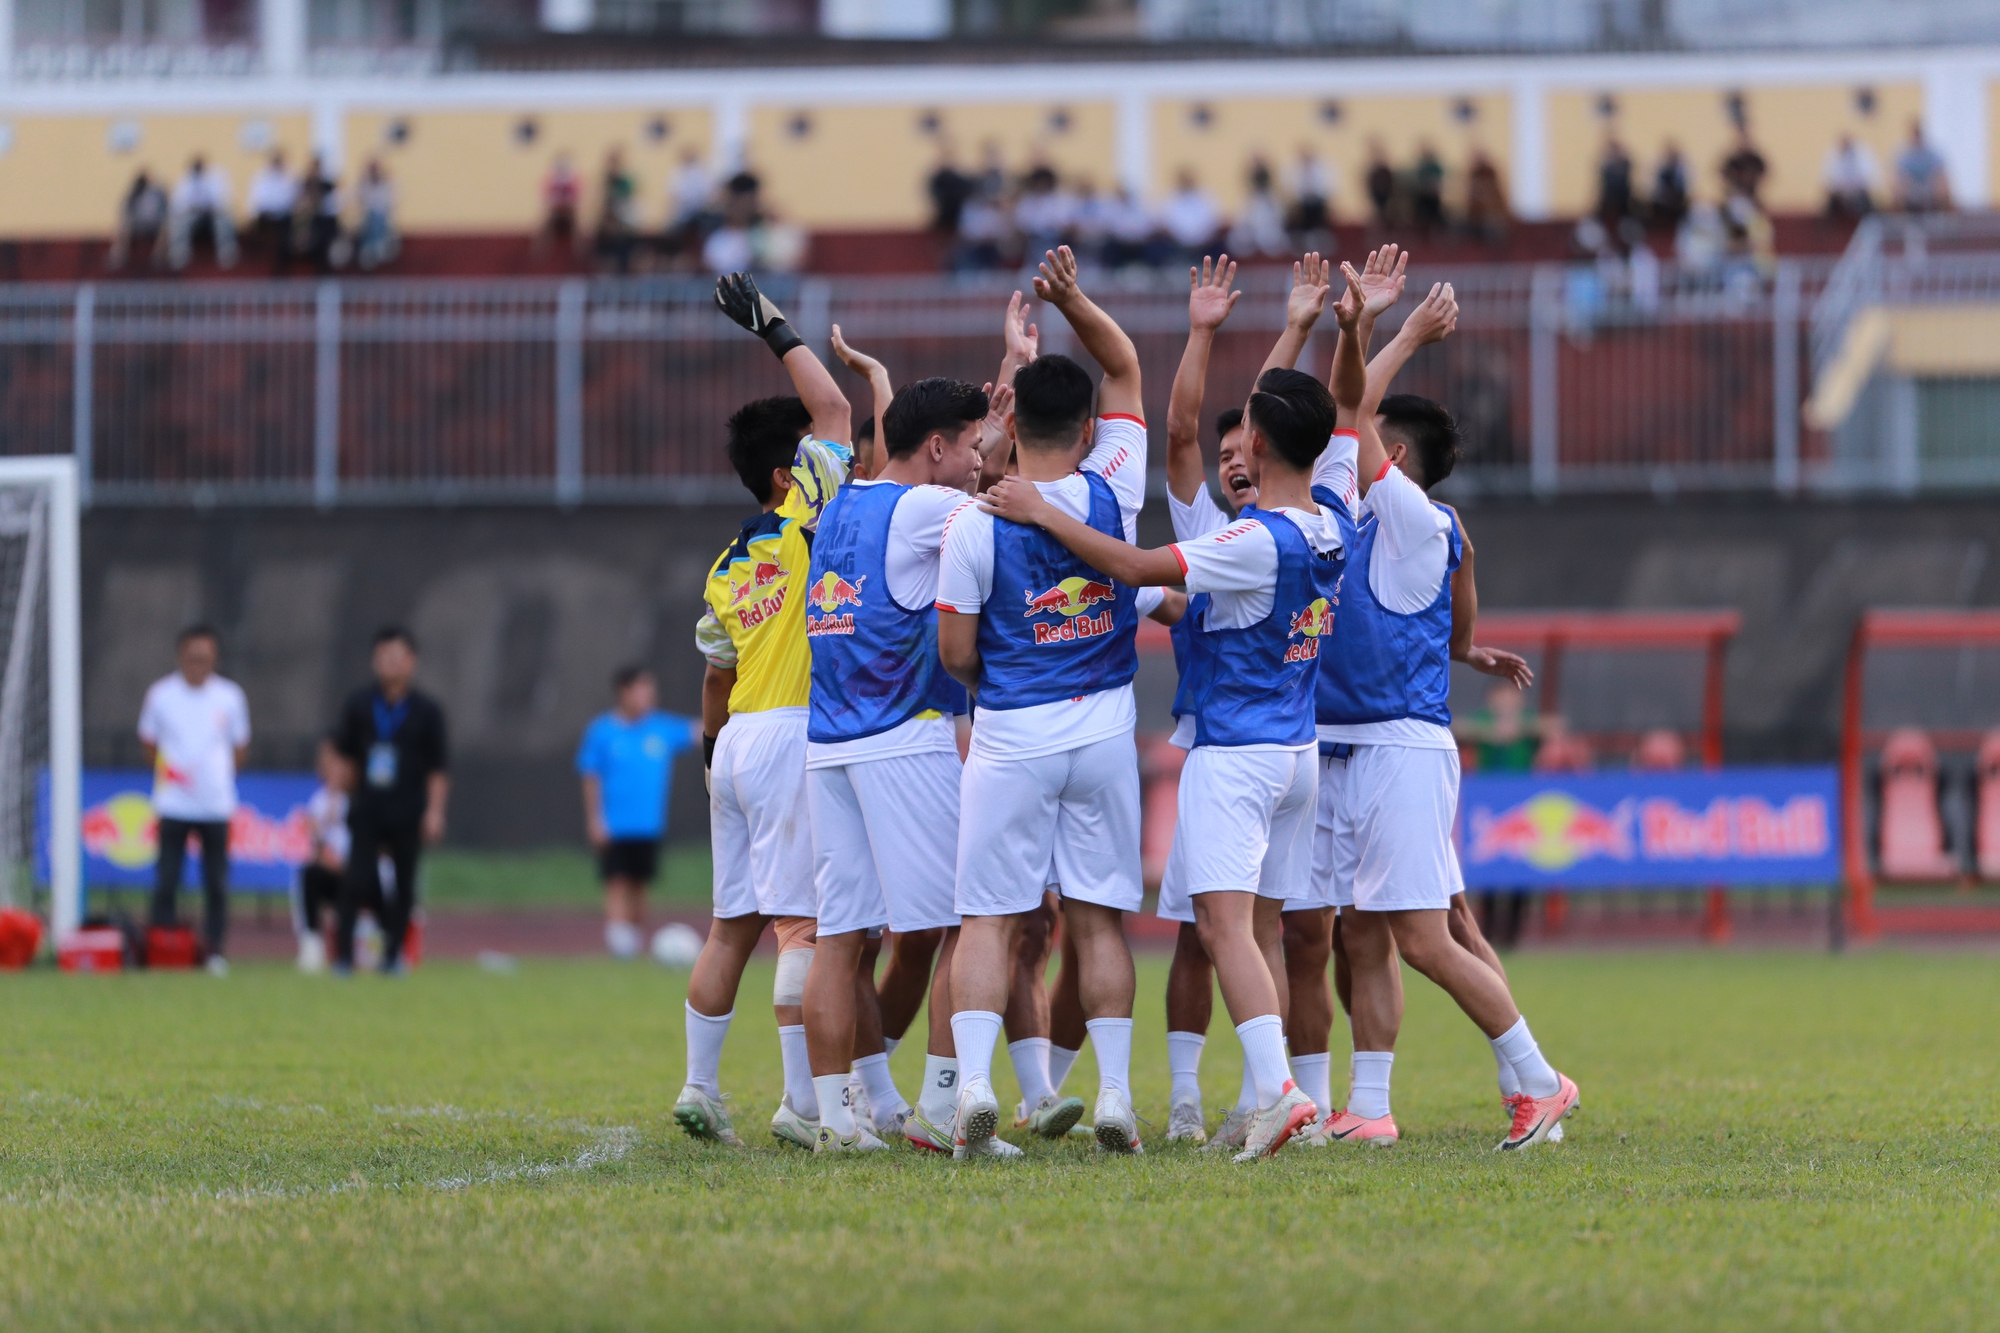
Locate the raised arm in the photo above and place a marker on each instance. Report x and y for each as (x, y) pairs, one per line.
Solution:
(1434, 320)
(1023, 341)
(1312, 279)
(877, 375)
(737, 296)
(1022, 502)
(1209, 302)
(1097, 331)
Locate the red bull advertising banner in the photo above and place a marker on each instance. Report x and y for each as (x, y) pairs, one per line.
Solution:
(1743, 826)
(269, 839)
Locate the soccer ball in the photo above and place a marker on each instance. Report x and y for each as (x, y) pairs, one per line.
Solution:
(676, 946)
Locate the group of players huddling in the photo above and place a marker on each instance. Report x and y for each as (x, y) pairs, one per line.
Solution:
(984, 545)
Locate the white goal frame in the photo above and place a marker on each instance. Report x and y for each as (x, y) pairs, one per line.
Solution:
(65, 619)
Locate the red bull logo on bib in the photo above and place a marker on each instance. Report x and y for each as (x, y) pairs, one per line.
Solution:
(1071, 599)
(1312, 622)
(831, 592)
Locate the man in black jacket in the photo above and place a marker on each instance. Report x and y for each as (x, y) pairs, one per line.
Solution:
(394, 737)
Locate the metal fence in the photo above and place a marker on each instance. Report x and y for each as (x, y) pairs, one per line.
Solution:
(1566, 378)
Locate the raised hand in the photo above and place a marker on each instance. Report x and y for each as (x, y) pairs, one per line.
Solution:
(1499, 662)
(1435, 317)
(860, 363)
(993, 429)
(1209, 296)
(1312, 280)
(1023, 340)
(1382, 278)
(1056, 282)
(1347, 310)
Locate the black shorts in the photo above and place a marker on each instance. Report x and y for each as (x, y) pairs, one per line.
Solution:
(630, 858)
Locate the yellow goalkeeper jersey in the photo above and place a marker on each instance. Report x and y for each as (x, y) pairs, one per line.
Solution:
(755, 621)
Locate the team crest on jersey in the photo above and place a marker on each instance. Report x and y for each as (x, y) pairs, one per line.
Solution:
(1309, 625)
(829, 593)
(1071, 599)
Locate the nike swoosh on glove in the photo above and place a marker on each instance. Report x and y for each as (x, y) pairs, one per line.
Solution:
(736, 295)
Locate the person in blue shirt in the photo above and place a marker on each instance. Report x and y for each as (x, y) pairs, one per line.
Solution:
(626, 760)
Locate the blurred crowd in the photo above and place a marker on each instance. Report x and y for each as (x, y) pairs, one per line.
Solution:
(710, 224)
(305, 219)
(996, 218)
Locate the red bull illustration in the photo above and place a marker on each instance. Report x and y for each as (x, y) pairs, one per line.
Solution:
(762, 575)
(1312, 621)
(1071, 599)
(829, 594)
(1552, 831)
(270, 835)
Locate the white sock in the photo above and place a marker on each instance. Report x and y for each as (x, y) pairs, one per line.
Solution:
(1184, 1064)
(939, 1098)
(798, 1071)
(1246, 1096)
(884, 1102)
(1031, 1067)
(1263, 1041)
(1510, 1084)
(1060, 1059)
(889, 1045)
(1315, 1077)
(704, 1042)
(1112, 1039)
(1538, 1079)
(622, 939)
(973, 1032)
(1368, 1096)
(835, 1111)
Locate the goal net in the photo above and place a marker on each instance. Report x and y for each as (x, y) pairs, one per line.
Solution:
(40, 689)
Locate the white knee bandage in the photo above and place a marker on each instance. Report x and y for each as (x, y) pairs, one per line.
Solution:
(790, 984)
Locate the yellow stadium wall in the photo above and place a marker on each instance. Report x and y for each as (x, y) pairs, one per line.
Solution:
(1219, 149)
(1793, 127)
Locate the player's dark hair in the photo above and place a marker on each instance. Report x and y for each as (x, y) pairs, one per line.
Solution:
(1294, 413)
(393, 634)
(865, 432)
(201, 629)
(763, 437)
(1427, 430)
(627, 676)
(1052, 396)
(1228, 419)
(937, 405)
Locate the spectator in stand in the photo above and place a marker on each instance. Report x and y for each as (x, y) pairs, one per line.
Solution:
(1043, 214)
(376, 243)
(948, 188)
(1427, 189)
(394, 737)
(1850, 177)
(1381, 183)
(691, 191)
(1486, 213)
(1669, 204)
(194, 728)
(991, 179)
(618, 214)
(1314, 185)
(1190, 217)
(316, 218)
(142, 216)
(1614, 184)
(273, 195)
(1743, 171)
(1922, 185)
(732, 247)
(982, 231)
(1129, 232)
(1260, 227)
(200, 207)
(562, 193)
(318, 885)
(1091, 225)
(626, 762)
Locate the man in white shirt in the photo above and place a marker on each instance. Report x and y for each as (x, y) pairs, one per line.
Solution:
(273, 195)
(201, 203)
(195, 730)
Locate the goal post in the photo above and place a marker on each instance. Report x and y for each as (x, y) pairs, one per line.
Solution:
(41, 683)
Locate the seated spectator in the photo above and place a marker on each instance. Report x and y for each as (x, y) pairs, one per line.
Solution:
(1614, 184)
(727, 249)
(562, 192)
(1190, 217)
(200, 207)
(690, 191)
(1043, 214)
(948, 188)
(316, 218)
(618, 213)
(1922, 185)
(982, 232)
(1313, 187)
(1850, 179)
(1562, 750)
(1486, 213)
(1669, 204)
(1381, 181)
(1260, 228)
(273, 195)
(377, 243)
(1743, 171)
(142, 215)
(1129, 232)
(1427, 189)
(1699, 243)
(1090, 223)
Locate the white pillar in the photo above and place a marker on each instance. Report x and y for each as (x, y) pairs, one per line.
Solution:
(281, 33)
(1135, 144)
(731, 132)
(1528, 172)
(568, 15)
(1955, 124)
(6, 40)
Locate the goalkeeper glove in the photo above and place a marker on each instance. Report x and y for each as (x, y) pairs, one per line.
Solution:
(708, 764)
(736, 295)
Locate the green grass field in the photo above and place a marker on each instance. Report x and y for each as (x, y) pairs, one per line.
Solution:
(1766, 1141)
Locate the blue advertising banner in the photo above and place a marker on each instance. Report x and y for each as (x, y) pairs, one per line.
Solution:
(269, 839)
(1741, 826)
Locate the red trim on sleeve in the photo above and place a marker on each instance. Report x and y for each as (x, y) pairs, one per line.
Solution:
(1349, 431)
(947, 606)
(1386, 465)
(1179, 559)
(1122, 416)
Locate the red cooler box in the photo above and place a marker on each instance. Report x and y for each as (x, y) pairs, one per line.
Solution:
(171, 946)
(96, 949)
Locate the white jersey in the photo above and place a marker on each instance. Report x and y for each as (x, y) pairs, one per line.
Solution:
(196, 730)
(965, 583)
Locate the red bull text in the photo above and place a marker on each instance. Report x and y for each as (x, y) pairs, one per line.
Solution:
(1072, 599)
(829, 594)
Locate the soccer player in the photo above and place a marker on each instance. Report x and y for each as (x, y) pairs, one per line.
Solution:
(1244, 834)
(882, 766)
(791, 454)
(625, 761)
(1394, 763)
(1051, 784)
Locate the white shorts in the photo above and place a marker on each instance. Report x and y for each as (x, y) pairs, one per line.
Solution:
(757, 825)
(885, 842)
(1386, 838)
(1244, 825)
(1070, 818)
(1333, 842)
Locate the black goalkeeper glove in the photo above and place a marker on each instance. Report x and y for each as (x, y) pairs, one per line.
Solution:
(736, 295)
